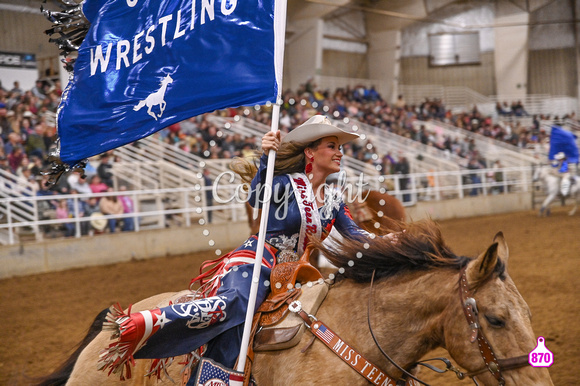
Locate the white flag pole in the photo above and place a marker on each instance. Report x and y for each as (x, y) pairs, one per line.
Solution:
(279, 39)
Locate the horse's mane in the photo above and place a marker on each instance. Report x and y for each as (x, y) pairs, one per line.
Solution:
(419, 247)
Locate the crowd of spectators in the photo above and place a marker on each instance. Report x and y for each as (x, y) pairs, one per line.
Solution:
(27, 133)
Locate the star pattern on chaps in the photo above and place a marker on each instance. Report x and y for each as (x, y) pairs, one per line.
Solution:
(248, 244)
(162, 320)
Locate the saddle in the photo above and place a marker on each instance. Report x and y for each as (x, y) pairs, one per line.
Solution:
(273, 328)
(277, 329)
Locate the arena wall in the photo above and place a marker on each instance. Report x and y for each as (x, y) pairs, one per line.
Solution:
(61, 254)
(470, 206)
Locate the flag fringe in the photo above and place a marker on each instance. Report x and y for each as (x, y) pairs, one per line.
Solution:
(69, 29)
(58, 167)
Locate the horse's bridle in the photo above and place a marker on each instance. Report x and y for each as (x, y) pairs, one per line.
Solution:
(492, 364)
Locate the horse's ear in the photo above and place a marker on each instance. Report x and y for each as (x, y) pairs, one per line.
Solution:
(481, 268)
(503, 251)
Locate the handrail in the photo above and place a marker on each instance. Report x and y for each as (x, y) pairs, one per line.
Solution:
(410, 188)
(389, 142)
(462, 97)
(486, 146)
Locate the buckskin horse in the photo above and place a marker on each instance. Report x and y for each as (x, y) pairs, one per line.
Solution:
(420, 296)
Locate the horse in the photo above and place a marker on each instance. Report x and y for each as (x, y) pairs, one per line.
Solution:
(552, 187)
(417, 304)
(156, 98)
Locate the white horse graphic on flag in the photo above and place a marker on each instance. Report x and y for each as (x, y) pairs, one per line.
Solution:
(156, 98)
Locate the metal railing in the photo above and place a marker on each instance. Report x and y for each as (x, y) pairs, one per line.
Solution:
(422, 158)
(490, 148)
(192, 207)
(464, 98)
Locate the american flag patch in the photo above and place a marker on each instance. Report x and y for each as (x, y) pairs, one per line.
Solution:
(212, 373)
(324, 334)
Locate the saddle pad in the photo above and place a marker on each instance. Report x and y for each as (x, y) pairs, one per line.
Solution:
(288, 332)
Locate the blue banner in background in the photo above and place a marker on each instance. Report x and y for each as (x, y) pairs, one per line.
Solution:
(146, 64)
(565, 141)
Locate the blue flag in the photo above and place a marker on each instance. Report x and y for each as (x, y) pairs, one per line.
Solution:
(146, 64)
(563, 141)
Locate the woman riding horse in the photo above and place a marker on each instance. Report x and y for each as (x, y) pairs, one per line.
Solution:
(304, 208)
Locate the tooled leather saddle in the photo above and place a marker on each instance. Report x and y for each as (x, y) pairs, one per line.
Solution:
(273, 328)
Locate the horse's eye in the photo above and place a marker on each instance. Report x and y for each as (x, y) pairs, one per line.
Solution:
(495, 322)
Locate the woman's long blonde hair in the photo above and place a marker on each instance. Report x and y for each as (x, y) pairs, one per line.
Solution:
(290, 158)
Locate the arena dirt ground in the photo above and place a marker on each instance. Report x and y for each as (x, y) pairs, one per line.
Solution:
(44, 316)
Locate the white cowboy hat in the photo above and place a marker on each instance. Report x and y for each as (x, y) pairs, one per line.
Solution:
(98, 221)
(559, 156)
(318, 127)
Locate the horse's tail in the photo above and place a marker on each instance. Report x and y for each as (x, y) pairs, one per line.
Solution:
(61, 375)
(139, 105)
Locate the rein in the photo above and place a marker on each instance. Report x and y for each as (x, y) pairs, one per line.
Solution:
(469, 306)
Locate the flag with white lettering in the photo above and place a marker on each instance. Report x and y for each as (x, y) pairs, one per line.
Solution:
(147, 64)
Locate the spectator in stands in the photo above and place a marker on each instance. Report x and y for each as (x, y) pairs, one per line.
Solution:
(498, 174)
(474, 178)
(518, 109)
(96, 185)
(24, 170)
(97, 223)
(38, 90)
(35, 144)
(128, 207)
(507, 110)
(62, 213)
(189, 127)
(57, 89)
(499, 109)
(111, 205)
(14, 141)
(104, 170)
(5, 128)
(15, 158)
(79, 183)
(16, 89)
(402, 167)
(400, 103)
(83, 210)
(4, 167)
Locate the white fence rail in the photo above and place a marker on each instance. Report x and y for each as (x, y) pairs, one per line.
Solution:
(463, 99)
(192, 208)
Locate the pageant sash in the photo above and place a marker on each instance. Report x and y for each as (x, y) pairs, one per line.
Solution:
(311, 225)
